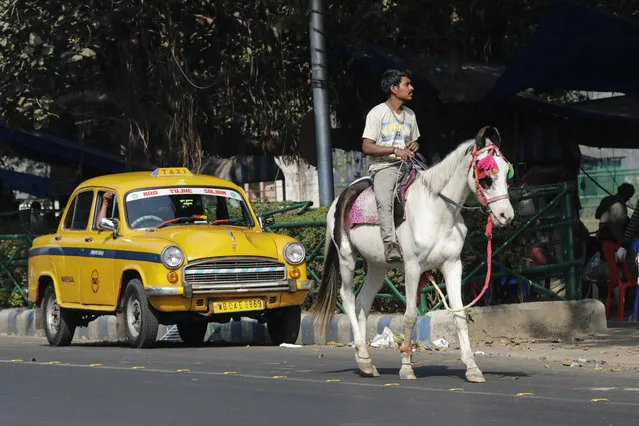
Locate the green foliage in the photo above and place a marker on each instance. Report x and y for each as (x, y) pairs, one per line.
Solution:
(11, 299)
(159, 80)
(166, 80)
(13, 255)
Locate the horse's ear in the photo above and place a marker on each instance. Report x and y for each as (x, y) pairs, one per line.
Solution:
(485, 134)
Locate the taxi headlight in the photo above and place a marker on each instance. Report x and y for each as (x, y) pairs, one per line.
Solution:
(172, 257)
(294, 253)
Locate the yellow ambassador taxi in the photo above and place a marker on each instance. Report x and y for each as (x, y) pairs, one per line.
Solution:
(165, 247)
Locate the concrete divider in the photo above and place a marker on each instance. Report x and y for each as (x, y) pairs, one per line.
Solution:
(526, 320)
(538, 320)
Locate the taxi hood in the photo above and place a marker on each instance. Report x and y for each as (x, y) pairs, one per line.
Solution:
(202, 241)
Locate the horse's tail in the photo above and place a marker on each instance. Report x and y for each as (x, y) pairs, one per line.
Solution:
(337, 234)
(326, 299)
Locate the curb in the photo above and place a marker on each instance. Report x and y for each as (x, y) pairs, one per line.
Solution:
(22, 322)
(535, 319)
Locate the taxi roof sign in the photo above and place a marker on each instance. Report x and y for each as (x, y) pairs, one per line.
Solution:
(171, 171)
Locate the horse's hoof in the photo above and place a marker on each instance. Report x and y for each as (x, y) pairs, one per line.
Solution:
(475, 376)
(406, 373)
(368, 371)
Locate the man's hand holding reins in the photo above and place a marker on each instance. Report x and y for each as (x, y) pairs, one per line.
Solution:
(404, 154)
(412, 146)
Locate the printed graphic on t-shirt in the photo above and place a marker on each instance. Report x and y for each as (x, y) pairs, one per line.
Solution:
(394, 134)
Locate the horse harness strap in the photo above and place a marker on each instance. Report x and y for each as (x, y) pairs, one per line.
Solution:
(456, 204)
(481, 171)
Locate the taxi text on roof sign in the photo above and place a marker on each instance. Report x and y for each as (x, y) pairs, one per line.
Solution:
(171, 171)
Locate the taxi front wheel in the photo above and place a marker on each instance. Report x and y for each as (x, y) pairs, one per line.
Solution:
(140, 319)
(284, 324)
(59, 323)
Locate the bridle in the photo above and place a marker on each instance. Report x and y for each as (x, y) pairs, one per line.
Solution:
(483, 168)
(486, 167)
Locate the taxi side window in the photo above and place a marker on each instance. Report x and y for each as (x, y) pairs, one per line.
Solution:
(77, 217)
(112, 211)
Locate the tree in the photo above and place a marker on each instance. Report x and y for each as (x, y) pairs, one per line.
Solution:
(163, 80)
(168, 81)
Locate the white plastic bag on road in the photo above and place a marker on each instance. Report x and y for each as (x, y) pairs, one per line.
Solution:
(384, 340)
(440, 343)
(289, 345)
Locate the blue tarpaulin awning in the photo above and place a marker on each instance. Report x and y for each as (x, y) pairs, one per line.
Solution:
(576, 48)
(35, 185)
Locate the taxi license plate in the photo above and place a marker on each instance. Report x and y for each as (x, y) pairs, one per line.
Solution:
(237, 305)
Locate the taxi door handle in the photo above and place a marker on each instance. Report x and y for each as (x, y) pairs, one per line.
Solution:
(58, 237)
(88, 239)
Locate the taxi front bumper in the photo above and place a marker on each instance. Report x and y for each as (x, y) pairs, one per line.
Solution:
(187, 290)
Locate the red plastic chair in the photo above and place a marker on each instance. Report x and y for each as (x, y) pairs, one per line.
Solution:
(609, 248)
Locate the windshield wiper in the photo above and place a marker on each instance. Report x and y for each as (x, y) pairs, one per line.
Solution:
(185, 219)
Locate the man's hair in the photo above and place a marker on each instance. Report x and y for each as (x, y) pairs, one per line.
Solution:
(392, 78)
(626, 190)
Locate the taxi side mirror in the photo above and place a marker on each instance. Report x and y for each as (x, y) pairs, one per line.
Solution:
(266, 221)
(107, 224)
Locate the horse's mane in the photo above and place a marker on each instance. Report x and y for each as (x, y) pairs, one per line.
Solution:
(437, 176)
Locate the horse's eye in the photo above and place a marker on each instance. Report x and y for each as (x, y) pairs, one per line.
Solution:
(486, 182)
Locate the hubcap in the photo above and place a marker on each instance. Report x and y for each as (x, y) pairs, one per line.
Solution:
(134, 317)
(53, 316)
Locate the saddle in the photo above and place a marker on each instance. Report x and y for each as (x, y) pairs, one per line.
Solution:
(364, 208)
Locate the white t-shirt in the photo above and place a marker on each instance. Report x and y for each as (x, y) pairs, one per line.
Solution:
(391, 130)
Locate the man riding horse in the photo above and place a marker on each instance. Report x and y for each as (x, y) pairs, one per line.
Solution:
(390, 135)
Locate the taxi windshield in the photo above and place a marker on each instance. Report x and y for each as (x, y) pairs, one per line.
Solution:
(146, 208)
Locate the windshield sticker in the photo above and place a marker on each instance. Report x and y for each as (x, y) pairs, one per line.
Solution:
(162, 192)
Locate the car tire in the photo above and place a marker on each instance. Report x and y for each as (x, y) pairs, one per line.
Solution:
(284, 324)
(59, 323)
(140, 318)
(192, 333)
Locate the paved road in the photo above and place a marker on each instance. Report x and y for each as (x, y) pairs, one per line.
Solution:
(105, 384)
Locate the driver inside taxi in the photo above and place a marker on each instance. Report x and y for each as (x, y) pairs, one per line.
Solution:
(106, 199)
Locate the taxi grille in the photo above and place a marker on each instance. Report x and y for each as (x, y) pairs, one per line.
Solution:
(235, 275)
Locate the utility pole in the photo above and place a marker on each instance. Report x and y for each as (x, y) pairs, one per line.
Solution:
(320, 102)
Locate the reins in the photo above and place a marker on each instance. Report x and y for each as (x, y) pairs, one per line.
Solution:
(478, 173)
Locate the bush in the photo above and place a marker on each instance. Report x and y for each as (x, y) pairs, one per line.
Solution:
(13, 253)
(11, 299)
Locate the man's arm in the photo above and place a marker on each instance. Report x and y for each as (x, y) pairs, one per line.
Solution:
(369, 147)
(618, 219)
(105, 205)
(413, 146)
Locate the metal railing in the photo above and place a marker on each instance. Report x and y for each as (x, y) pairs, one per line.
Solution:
(558, 202)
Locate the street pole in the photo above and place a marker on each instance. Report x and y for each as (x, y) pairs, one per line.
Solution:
(320, 102)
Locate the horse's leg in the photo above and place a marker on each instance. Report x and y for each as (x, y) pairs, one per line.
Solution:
(411, 274)
(452, 271)
(363, 358)
(372, 283)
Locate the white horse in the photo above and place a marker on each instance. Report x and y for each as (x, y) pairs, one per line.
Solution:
(431, 236)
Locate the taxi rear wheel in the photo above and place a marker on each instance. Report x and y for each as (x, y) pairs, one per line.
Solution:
(192, 333)
(59, 323)
(284, 324)
(140, 319)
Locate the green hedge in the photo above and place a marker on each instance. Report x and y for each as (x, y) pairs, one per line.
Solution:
(13, 250)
